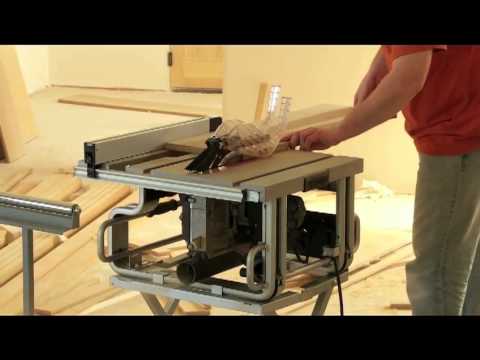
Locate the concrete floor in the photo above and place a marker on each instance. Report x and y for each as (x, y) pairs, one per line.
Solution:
(386, 220)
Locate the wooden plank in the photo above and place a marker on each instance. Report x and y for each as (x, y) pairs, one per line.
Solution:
(11, 139)
(11, 255)
(3, 237)
(320, 115)
(261, 101)
(11, 292)
(14, 180)
(187, 307)
(20, 101)
(139, 105)
(242, 171)
(56, 187)
(375, 269)
(96, 200)
(191, 145)
(315, 116)
(24, 186)
(127, 303)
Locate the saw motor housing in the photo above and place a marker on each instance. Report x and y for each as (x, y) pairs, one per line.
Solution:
(219, 235)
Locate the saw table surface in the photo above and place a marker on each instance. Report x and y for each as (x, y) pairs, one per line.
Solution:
(247, 170)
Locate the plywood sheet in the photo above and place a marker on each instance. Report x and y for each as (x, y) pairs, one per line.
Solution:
(138, 105)
(242, 171)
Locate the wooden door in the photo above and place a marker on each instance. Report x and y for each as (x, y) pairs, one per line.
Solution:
(196, 68)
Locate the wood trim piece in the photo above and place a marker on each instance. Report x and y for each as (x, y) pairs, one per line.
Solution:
(17, 122)
(261, 101)
(320, 115)
(11, 139)
(139, 105)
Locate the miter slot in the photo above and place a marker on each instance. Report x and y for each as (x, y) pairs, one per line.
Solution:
(99, 152)
(168, 158)
(122, 164)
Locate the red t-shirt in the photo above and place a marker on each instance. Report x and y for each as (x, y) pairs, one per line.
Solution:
(444, 118)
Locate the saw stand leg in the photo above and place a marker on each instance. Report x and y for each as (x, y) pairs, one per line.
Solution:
(28, 277)
(322, 302)
(157, 308)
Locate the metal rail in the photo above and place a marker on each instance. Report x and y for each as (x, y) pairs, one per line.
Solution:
(35, 214)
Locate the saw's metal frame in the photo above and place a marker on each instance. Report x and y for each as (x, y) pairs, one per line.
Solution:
(333, 173)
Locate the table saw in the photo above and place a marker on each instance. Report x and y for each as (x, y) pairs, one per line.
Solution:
(248, 217)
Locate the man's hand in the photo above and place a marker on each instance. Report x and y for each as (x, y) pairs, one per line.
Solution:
(314, 138)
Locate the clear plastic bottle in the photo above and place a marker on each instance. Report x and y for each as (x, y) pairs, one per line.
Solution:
(257, 140)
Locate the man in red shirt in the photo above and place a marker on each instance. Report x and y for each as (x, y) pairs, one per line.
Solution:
(438, 89)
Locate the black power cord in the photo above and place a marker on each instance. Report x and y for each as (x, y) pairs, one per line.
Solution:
(339, 285)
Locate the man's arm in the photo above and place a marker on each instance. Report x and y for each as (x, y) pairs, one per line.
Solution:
(398, 87)
(377, 71)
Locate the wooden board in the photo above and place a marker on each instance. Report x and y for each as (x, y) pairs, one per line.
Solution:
(139, 105)
(196, 67)
(3, 237)
(11, 137)
(126, 303)
(24, 186)
(21, 102)
(98, 198)
(14, 179)
(360, 276)
(261, 101)
(320, 115)
(132, 303)
(315, 116)
(242, 171)
(11, 255)
(56, 187)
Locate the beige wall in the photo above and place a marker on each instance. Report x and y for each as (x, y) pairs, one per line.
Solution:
(321, 74)
(118, 66)
(34, 64)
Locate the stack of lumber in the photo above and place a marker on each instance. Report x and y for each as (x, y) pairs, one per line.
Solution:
(69, 277)
(17, 125)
